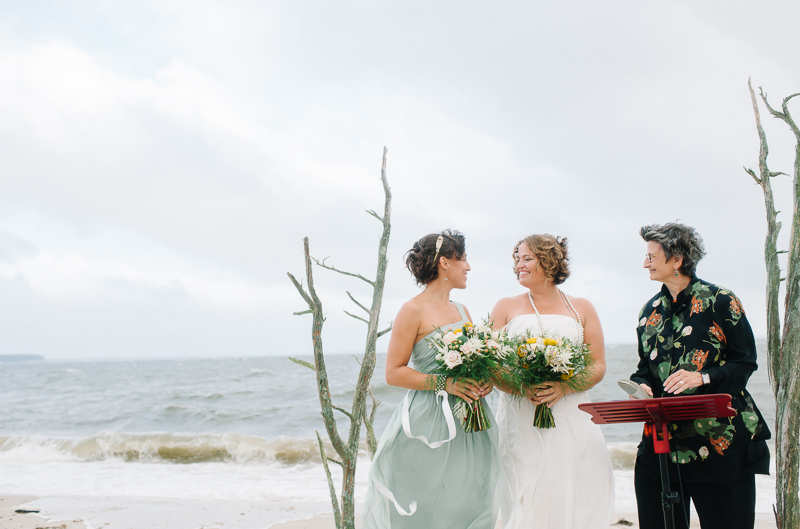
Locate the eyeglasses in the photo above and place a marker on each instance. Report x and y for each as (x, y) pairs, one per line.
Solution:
(649, 256)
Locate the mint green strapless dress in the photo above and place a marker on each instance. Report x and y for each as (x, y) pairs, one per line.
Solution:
(452, 486)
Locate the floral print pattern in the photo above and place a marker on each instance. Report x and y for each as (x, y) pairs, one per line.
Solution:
(705, 328)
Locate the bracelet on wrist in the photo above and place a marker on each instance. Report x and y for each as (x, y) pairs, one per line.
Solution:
(441, 382)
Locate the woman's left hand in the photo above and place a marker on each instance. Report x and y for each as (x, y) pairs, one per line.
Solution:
(682, 380)
(548, 393)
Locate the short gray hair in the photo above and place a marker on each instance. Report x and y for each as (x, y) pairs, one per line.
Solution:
(678, 240)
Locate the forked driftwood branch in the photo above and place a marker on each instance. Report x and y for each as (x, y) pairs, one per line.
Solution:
(344, 505)
(783, 347)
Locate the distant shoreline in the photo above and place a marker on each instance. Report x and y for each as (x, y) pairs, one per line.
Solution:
(21, 358)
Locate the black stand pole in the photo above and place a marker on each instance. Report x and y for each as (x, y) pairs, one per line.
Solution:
(669, 498)
(657, 414)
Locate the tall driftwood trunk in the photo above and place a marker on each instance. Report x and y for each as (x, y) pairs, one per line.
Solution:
(784, 348)
(788, 400)
(344, 507)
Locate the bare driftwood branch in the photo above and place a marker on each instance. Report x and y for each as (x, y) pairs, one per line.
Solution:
(303, 363)
(372, 440)
(334, 269)
(784, 344)
(387, 329)
(337, 517)
(753, 174)
(365, 309)
(349, 415)
(348, 451)
(371, 212)
(302, 292)
(319, 358)
(356, 317)
(770, 246)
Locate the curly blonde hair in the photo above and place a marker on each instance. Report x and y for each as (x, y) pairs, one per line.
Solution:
(552, 254)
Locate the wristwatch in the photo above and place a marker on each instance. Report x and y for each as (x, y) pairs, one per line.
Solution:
(705, 377)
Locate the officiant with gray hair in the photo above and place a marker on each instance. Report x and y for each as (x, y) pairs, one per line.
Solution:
(693, 338)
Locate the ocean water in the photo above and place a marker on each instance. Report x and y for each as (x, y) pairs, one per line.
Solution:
(227, 429)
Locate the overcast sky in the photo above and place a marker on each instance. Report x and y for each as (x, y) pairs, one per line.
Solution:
(162, 161)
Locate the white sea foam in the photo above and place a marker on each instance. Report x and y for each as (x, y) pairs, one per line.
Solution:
(165, 429)
(162, 448)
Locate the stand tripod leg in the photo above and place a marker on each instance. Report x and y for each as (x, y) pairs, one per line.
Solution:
(669, 498)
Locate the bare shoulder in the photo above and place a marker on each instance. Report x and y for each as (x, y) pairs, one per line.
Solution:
(582, 305)
(505, 308)
(511, 302)
(411, 310)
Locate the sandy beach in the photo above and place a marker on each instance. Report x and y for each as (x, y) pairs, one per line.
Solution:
(152, 513)
(620, 520)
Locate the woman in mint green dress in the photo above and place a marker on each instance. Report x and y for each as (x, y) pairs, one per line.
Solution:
(427, 472)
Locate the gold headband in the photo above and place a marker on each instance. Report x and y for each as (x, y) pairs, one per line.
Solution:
(439, 242)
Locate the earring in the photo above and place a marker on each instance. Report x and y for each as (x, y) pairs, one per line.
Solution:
(676, 273)
(445, 274)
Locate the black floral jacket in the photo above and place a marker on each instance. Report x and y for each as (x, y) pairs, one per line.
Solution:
(706, 330)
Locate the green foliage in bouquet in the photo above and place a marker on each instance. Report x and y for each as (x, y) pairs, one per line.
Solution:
(476, 352)
(539, 359)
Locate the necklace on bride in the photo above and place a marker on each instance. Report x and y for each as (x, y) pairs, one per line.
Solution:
(572, 310)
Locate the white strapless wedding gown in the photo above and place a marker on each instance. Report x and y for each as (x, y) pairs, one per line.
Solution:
(557, 478)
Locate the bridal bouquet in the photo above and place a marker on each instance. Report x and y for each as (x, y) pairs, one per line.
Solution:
(475, 352)
(540, 359)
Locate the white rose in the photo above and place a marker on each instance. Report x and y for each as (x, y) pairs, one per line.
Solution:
(686, 331)
(653, 355)
(642, 321)
(448, 338)
(657, 302)
(452, 359)
(703, 452)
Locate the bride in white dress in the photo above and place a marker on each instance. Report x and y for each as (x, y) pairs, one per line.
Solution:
(561, 477)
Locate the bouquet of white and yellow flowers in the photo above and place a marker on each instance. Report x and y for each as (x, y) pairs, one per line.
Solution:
(543, 358)
(475, 352)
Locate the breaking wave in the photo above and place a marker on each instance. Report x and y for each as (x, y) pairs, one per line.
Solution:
(195, 448)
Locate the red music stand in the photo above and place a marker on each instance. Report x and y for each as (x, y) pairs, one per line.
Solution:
(658, 413)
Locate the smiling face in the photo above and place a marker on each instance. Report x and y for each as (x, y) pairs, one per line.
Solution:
(456, 271)
(528, 270)
(660, 268)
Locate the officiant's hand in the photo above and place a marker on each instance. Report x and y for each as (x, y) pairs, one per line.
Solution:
(681, 380)
(646, 388)
(548, 393)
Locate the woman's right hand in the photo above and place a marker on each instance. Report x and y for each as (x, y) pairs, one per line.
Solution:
(467, 389)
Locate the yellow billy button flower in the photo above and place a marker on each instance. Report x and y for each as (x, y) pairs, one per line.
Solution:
(530, 340)
(550, 341)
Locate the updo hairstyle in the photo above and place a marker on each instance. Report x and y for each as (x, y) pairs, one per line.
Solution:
(420, 258)
(552, 254)
(678, 240)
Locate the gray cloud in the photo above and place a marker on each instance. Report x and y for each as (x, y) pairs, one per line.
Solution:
(162, 162)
